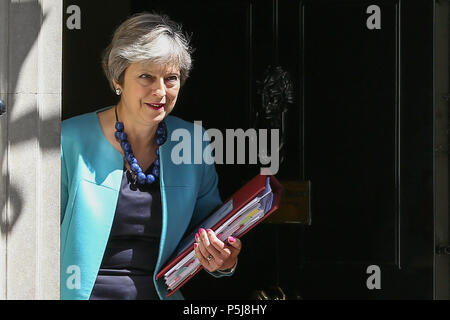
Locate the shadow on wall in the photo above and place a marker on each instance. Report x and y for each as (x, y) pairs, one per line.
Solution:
(25, 22)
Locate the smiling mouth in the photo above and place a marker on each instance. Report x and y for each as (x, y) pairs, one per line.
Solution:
(156, 106)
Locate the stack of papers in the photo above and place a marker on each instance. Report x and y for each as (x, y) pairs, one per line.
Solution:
(226, 224)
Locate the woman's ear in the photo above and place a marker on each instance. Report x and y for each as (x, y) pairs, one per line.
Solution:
(117, 88)
(116, 85)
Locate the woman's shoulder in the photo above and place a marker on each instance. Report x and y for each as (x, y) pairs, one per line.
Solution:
(80, 124)
(76, 122)
(80, 128)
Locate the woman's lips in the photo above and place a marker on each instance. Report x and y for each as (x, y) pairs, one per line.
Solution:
(156, 106)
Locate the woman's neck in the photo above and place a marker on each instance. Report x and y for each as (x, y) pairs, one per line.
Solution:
(141, 136)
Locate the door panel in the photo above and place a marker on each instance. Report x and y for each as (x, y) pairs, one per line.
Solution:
(370, 155)
(351, 131)
(442, 221)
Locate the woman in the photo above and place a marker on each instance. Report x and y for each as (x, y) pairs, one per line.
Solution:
(125, 204)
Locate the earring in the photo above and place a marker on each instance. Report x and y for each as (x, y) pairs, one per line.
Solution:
(118, 92)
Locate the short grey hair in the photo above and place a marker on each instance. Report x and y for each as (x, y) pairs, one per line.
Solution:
(147, 37)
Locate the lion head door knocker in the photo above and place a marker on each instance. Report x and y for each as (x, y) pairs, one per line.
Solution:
(277, 93)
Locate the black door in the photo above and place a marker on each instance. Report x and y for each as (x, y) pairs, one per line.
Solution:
(368, 148)
(358, 123)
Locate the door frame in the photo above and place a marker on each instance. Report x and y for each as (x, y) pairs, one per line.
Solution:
(441, 158)
(4, 57)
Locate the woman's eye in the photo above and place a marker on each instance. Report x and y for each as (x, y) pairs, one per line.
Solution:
(173, 78)
(145, 76)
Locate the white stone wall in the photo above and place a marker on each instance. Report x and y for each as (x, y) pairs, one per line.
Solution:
(30, 82)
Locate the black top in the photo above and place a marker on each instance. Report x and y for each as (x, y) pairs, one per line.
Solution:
(126, 272)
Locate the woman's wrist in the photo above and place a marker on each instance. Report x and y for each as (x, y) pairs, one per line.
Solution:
(230, 270)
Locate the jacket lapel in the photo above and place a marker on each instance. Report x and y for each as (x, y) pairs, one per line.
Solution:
(176, 199)
(101, 179)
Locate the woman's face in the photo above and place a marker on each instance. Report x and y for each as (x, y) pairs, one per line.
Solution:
(150, 91)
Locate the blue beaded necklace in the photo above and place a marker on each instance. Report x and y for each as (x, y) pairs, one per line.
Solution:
(161, 138)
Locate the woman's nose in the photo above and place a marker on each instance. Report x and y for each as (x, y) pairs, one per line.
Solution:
(159, 88)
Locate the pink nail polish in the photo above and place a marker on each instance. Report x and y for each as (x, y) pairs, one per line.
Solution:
(195, 245)
(210, 231)
(231, 239)
(202, 230)
(197, 236)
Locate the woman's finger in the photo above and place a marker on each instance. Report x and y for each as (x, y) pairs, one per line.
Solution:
(204, 240)
(214, 254)
(204, 262)
(236, 245)
(213, 260)
(202, 249)
(218, 245)
(211, 264)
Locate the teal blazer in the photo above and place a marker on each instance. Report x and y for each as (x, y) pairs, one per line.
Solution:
(91, 175)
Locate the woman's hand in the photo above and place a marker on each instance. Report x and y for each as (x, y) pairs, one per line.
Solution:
(215, 255)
